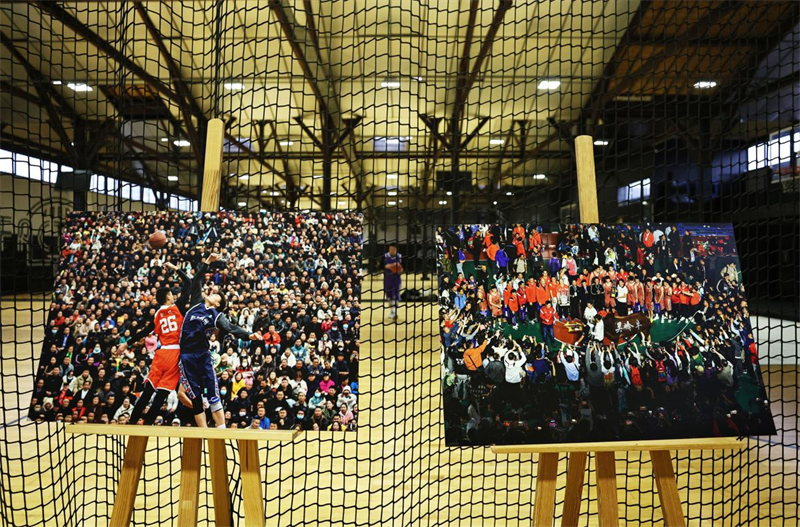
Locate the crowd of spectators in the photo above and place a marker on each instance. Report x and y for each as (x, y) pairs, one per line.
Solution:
(296, 278)
(506, 379)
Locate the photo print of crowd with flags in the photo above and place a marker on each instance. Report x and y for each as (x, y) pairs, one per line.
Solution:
(228, 319)
(595, 332)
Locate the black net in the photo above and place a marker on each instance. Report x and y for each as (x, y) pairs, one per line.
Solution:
(415, 114)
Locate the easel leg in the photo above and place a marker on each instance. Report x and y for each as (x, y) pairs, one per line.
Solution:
(545, 502)
(252, 497)
(607, 502)
(128, 481)
(667, 489)
(572, 501)
(190, 482)
(219, 483)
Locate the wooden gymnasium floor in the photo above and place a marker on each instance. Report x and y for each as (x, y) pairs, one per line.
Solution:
(402, 465)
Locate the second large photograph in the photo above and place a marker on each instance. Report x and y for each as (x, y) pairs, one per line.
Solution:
(570, 333)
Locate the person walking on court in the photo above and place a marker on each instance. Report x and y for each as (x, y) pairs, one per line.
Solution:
(392, 264)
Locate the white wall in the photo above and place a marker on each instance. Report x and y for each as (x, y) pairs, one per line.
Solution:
(777, 340)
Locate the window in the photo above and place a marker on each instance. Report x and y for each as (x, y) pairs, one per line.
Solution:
(633, 192)
(776, 152)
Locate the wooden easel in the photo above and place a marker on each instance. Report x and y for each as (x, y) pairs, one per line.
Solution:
(607, 503)
(252, 497)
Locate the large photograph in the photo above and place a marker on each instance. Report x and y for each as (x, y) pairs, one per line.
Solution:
(574, 333)
(238, 320)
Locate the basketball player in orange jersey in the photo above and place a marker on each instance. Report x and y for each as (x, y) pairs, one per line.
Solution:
(164, 373)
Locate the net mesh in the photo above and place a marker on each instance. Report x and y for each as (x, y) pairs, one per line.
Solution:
(382, 107)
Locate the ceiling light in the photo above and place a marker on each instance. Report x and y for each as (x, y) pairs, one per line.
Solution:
(317, 176)
(391, 175)
(497, 141)
(274, 193)
(392, 203)
(494, 203)
(705, 85)
(600, 142)
(392, 193)
(57, 83)
(172, 178)
(181, 142)
(539, 176)
(549, 84)
(449, 192)
(242, 203)
(286, 143)
(233, 86)
(78, 86)
(418, 79)
(400, 201)
(164, 139)
(443, 202)
(244, 177)
(509, 193)
(644, 202)
(283, 201)
(342, 203)
(392, 85)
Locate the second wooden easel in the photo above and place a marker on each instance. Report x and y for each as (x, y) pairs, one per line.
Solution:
(605, 453)
(192, 438)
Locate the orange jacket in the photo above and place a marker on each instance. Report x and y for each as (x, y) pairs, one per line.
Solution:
(530, 293)
(491, 251)
(472, 357)
(542, 294)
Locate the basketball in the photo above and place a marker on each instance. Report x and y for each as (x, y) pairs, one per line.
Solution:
(395, 268)
(157, 240)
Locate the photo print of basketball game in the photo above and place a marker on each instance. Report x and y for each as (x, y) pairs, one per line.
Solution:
(574, 333)
(241, 320)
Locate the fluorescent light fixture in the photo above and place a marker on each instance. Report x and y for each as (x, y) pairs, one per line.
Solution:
(392, 85)
(443, 202)
(600, 142)
(164, 139)
(392, 175)
(549, 84)
(181, 142)
(286, 143)
(705, 85)
(539, 176)
(57, 83)
(244, 177)
(509, 193)
(392, 193)
(233, 86)
(79, 86)
(392, 203)
(242, 203)
(172, 178)
(449, 192)
(497, 141)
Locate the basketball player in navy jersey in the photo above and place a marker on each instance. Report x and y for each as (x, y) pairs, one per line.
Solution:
(203, 318)
(392, 269)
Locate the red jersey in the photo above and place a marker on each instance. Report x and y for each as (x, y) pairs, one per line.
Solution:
(168, 322)
(547, 315)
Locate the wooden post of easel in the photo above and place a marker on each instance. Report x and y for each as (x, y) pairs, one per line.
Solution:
(605, 453)
(191, 457)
